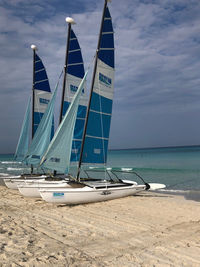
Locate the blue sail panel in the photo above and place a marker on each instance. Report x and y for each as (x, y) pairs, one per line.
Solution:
(74, 75)
(75, 64)
(42, 135)
(101, 103)
(23, 142)
(42, 92)
(39, 68)
(102, 128)
(97, 152)
(106, 49)
(58, 154)
(99, 118)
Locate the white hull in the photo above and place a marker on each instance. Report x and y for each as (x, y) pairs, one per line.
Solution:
(31, 189)
(88, 194)
(12, 182)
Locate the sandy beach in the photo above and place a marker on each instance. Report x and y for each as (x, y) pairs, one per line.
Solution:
(145, 230)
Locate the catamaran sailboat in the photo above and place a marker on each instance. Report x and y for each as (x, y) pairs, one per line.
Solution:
(41, 95)
(94, 146)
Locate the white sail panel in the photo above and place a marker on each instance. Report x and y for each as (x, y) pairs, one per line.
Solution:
(42, 100)
(104, 80)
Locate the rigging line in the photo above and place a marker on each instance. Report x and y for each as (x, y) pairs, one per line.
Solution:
(102, 130)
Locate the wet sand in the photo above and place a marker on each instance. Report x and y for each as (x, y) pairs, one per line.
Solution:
(145, 230)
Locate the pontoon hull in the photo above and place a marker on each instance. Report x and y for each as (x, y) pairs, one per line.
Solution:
(31, 189)
(12, 182)
(88, 194)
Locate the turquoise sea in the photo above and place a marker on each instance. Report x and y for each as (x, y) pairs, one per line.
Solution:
(177, 167)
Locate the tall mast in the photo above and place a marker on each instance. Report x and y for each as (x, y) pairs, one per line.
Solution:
(70, 21)
(34, 48)
(91, 91)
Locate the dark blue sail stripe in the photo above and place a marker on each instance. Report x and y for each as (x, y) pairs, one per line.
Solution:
(41, 75)
(41, 83)
(75, 56)
(107, 42)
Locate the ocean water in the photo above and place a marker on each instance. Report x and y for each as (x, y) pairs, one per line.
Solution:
(178, 167)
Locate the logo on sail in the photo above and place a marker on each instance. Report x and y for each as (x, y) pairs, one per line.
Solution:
(56, 160)
(43, 101)
(105, 80)
(74, 88)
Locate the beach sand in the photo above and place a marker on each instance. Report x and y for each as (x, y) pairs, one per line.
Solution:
(145, 230)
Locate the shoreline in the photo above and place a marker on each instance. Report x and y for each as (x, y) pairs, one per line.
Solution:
(148, 229)
(187, 194)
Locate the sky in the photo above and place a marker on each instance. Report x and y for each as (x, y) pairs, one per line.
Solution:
(157, 56)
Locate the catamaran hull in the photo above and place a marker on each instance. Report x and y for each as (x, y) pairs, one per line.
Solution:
(12, 182)
(87, 194)
(31, 189)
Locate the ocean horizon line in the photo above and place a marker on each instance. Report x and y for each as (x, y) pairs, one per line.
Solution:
(159, 147)
(136, 148)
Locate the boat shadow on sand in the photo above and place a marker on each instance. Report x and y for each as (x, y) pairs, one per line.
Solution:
(148, 195)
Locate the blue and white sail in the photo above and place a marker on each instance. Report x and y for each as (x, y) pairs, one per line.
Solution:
(100, 112)
(57, 156)
(74, 74)
(42, 92)
(42, 136)
(23, 142)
